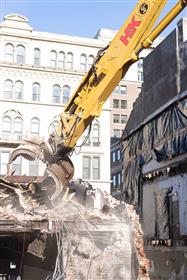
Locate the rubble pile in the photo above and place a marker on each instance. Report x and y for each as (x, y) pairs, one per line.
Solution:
(141, 261)
(97, 236)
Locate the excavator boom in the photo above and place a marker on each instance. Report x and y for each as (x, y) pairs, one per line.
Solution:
(86, 103)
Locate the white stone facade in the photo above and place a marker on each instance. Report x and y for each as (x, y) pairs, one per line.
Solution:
(25, 111)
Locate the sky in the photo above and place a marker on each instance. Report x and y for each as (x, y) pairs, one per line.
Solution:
(75, 17)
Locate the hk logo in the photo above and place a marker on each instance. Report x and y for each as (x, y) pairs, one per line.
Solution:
(130, 31)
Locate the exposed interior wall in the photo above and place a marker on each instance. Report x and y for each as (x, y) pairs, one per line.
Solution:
(156, 132)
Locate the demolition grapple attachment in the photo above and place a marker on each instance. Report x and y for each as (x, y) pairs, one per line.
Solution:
(58, 166)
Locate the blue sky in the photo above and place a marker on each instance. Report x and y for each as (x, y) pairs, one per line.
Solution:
(74, 17)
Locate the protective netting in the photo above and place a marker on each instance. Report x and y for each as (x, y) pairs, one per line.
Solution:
(162, 138)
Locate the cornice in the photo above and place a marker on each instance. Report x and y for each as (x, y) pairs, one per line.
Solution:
(64, 40)
(40, 70)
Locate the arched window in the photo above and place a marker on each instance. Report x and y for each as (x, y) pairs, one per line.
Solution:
(83, 62)
(53, 58)
(61, 60)
(36, 56)
(56, 94)
(18, 127)
(90, 61)
(86, 136)
(18, 93)
(66, 94)
(8, 89)
(20, 54)
(6, 125)
(9, 52)
(54, 127)
(96, 135)
(33, 167)
(69, 61)
(35, 126)
(17, 166)
(4, 157)
(36, 92)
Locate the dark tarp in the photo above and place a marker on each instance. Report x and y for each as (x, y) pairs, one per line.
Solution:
(162, 221)
(162, 138)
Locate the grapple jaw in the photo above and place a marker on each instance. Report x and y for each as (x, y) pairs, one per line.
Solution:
(58, 166)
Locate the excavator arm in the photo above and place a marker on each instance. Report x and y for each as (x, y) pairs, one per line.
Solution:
(108, 69)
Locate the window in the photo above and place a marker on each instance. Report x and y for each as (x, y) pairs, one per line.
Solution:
(140, 70)
(123, 104)
(20, 54)
(8, 89)
(18, 127)
(95, 135)
(54, 127)
(114, 181)
(86, 167)
(12, 125)
(53, 59)
(118, 155)
(56, 94)
(61, 61)
(69, 61)
(96, 168)
(83, 62)
(113, 156)
(33, 167)
(116, 133)
(119, 179)
(17, 166)
(36, 92)
(35, 126)
(115, 103)
(18, 94)
(4, 157)
(123, 89)
(66, 94)
(116, 90)
(9, 52)
(124, 119)
(116, 118)
(6, 125)
(36, 56)
(86, 136)
(90, 61)
(9, 276)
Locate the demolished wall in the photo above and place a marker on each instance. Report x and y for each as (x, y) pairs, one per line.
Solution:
(154, 149)
(99, 238)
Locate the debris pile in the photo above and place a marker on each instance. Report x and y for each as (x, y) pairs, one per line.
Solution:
(97, 236)
(140, 260)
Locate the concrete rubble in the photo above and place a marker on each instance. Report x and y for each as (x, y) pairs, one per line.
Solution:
(100, 237)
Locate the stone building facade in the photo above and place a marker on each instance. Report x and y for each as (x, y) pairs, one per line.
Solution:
(39, 72)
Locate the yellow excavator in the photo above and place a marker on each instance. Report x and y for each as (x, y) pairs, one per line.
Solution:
(109, 67)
